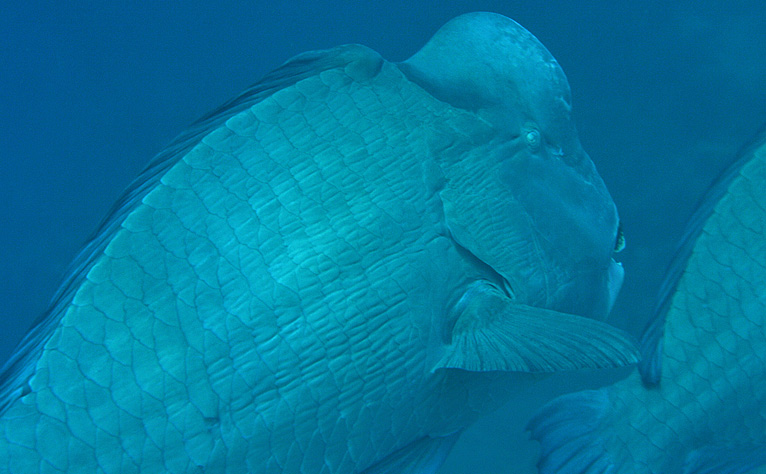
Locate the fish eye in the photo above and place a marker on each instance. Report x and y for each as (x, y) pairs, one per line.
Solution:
(533, 139)
(619, 242)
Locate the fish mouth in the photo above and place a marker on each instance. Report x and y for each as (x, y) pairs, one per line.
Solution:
(615, 272)
(615, 277)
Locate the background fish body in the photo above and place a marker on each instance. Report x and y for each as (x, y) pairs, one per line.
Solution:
(277, 290)
(701, 406)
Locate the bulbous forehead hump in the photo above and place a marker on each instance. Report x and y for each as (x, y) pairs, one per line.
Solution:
(487, 61)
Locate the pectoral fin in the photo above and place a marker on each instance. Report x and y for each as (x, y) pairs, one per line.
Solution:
(491, 332)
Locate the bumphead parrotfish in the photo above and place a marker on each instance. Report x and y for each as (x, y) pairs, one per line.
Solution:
(335, 272)
(698, 402)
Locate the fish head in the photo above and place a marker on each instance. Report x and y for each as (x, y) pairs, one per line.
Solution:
(561, 206)
(520, 193)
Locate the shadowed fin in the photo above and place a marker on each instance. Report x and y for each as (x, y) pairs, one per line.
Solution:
(725, 460)
(491, 332)
(650, 366)
(423, 456)
(567, 429)
(359, 62)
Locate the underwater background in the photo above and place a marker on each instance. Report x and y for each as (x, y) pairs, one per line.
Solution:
(664, 93)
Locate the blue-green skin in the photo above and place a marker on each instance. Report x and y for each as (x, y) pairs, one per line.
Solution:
(701, 407)
(275, 292)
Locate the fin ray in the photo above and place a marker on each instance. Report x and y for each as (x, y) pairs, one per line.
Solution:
(494, 333)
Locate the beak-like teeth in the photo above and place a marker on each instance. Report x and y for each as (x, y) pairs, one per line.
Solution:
(616, 274)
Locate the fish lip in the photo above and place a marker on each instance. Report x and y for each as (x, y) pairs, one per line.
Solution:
(615, 278)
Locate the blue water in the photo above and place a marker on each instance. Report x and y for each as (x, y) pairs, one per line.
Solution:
(664, 95)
